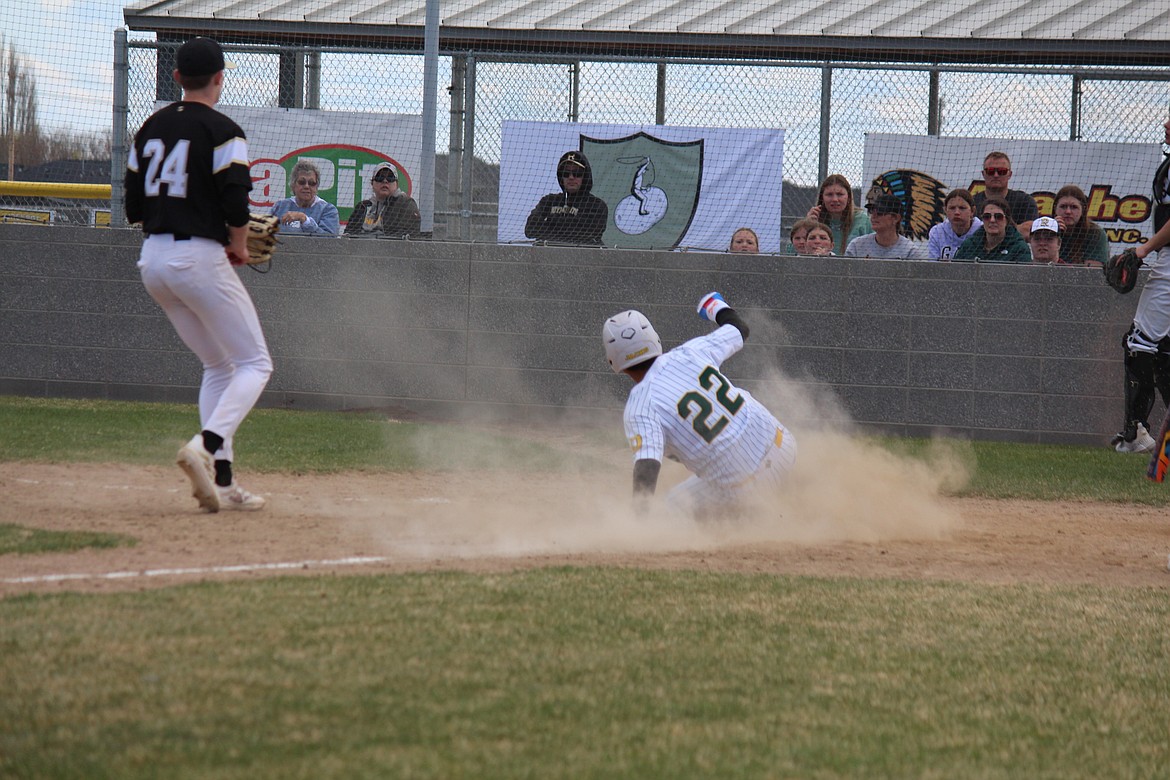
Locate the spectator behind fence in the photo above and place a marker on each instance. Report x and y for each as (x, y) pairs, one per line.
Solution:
(946, 237)
(574, 215)
(798, 234)
(745, 241)
(1082, 242)
(885, 215)
(305, 213)
(997, 172)
(834, 207)
(819, 241)
(1044, 239)
(997, 241)
(390, 212)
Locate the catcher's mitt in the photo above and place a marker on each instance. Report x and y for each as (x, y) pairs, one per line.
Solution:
(1121, 271)
(262, 230)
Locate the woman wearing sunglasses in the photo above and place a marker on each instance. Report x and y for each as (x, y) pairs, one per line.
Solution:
(997, 241)
(305, 213)
(390, 212)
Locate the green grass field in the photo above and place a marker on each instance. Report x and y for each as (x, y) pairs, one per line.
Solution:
(571, 672)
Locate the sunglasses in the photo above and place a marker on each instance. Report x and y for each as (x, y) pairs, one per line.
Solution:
(385, 176)
(996, 171)
(878, 212)
(572, 175)
(992, 217)
(303, 182)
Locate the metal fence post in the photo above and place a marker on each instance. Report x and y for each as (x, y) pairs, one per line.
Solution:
(574, 91)
(121, 112)
(1074, 121)
(455, 147)
(426, 198)
(313, 80)
(660, 96)
(826, 117)
(465, 211)
(934, 108)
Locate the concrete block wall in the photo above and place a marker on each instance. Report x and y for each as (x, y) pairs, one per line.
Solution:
(1020, 353)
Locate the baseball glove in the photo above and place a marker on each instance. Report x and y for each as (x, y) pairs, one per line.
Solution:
(262, 230)
(1121, 271)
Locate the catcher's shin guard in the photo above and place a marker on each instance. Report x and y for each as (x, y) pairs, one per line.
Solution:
(1139, 391)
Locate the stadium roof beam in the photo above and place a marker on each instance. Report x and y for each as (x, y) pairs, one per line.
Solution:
(1100, 33)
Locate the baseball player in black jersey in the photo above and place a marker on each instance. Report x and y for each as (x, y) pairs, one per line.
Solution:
(187, 182)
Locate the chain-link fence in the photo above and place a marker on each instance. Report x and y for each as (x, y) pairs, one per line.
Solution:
(825, 109)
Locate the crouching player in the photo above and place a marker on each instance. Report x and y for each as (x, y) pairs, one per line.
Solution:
(682, 407)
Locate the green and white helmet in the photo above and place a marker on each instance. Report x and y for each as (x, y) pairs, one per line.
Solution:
(629, 339)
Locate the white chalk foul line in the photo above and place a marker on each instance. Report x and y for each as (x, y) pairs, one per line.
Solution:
(122, 575)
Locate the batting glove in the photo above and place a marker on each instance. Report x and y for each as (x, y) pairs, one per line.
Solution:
(711, 304)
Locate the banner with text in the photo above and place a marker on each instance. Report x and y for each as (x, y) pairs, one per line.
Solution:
(666, 187)
(1115, 177)
(345, 146)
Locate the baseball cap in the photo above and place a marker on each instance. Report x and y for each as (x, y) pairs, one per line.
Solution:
(385, 166)
(885, 204)
(1046, 223)
(573, 158)
(201, 57)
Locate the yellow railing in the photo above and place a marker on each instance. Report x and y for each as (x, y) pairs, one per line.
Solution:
(49, 189)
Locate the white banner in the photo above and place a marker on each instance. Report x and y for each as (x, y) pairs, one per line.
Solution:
(666, 187)
(1115, 177)
(345, 146)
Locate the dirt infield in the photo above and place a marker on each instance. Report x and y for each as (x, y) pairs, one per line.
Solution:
(364, 523)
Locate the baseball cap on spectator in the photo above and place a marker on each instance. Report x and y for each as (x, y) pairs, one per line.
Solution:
(1046, 223)
(201, 57)
(885, 204)
(573, 158)
(385, 167)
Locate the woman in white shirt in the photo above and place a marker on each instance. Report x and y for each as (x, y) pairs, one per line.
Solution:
(961, 223)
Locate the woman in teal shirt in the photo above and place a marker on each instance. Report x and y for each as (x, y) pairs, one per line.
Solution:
(835, 208)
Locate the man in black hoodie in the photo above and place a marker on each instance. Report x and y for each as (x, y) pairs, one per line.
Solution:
(574, 215)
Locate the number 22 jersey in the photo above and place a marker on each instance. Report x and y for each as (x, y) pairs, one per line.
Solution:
(687, 410)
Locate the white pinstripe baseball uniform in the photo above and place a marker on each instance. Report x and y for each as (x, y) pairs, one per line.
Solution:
(687, 410)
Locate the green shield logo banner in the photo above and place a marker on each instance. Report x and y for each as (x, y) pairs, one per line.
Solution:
(651, 186)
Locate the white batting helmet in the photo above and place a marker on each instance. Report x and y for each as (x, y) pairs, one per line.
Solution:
(629, 339)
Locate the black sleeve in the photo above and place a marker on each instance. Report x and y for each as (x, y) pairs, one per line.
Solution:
(731, 317)
(534, 227)
(356, 217)
(134, 197)
(646, 476)
(598, 217)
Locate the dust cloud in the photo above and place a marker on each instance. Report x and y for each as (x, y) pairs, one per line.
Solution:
(844, 488)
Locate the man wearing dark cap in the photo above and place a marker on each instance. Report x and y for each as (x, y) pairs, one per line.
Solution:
(389, 212)
(574, 215)
(187, 183)
(885, 215)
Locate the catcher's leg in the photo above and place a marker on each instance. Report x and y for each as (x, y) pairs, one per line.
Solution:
(1140, 359)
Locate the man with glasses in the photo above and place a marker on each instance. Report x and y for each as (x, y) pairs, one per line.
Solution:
(574, 215)
(997, 172)
(885, 242)
(305, 213)
(390, 212)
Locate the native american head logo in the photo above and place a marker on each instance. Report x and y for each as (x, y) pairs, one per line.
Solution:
(923, 195)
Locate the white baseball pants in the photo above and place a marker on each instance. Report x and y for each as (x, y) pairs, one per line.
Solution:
(213, 314)
(699, 496)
